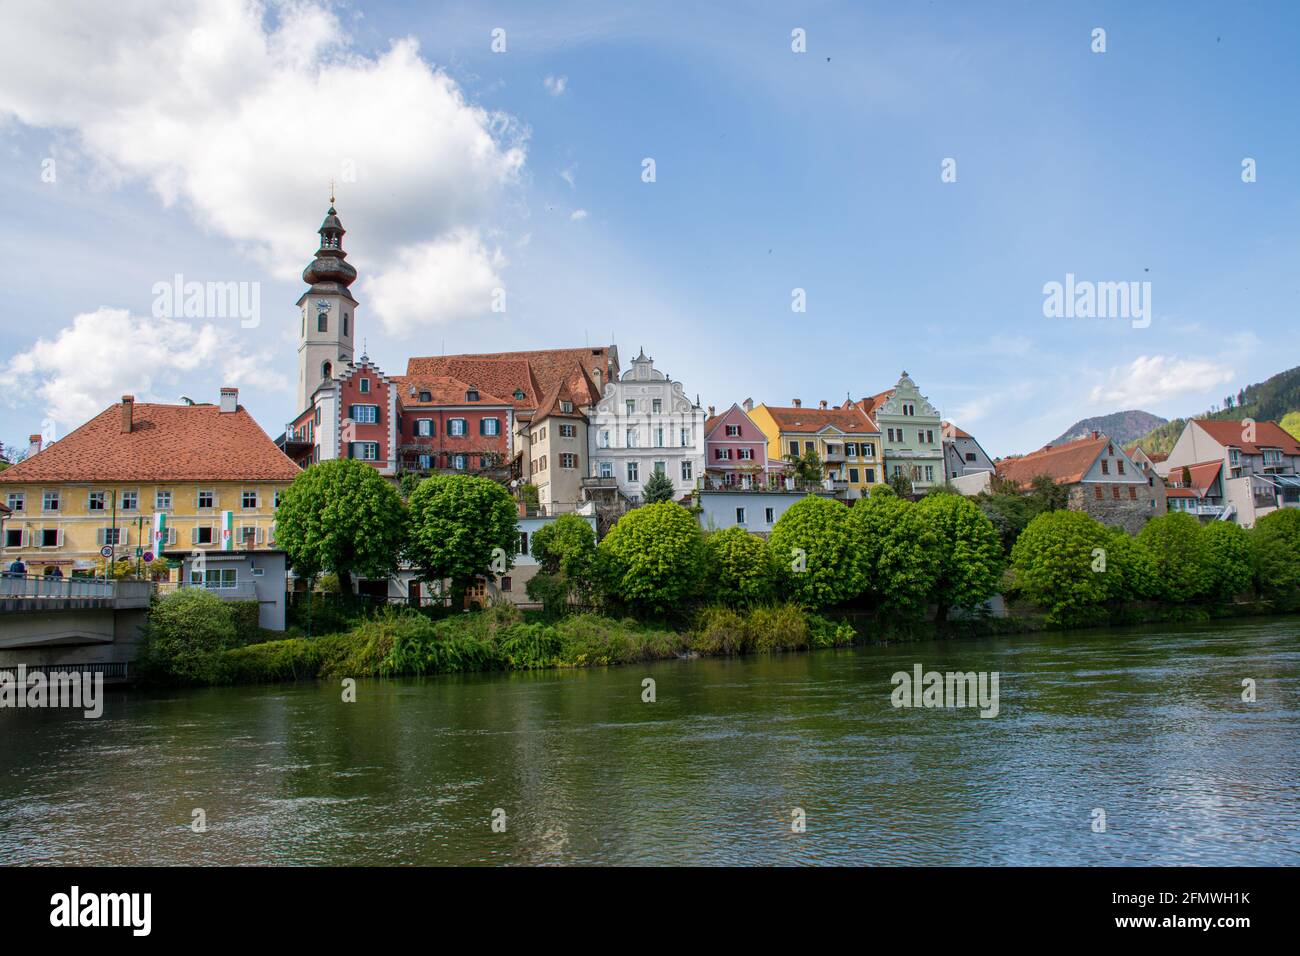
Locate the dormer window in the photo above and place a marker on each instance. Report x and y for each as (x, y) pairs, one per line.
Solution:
(426, 396)
(365, 385)
(519, 394)
(566, 407)
(471, 395)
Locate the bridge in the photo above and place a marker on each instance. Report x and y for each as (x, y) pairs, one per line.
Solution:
(71, 623)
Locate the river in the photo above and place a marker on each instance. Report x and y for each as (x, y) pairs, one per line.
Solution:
(1146, 725)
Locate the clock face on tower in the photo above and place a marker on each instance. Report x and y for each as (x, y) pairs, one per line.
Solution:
(323, 305)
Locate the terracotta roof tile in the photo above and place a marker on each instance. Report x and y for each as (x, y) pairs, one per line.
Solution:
(536, 372)
(850, 420)
(1267, 434)
(443, 390)
(1065, 464)
(1203, 475)
(166, 443)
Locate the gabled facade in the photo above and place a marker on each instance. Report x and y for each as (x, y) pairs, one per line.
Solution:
(962, 454)
(911, 433)
(644, 423)
(210, 470)
(845, 440)
(450, 425)
(1099, 477)
(735, 449)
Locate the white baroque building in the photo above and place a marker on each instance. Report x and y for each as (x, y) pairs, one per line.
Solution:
(645, 423)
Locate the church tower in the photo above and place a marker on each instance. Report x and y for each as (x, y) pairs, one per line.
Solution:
(327, 323)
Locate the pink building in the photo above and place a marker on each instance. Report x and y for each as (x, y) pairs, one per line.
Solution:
(735, 449)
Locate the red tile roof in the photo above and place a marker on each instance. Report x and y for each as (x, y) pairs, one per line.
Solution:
(443, 390)
(1064, 464)
(1203, 475)
(952, 431)
(851, 420)
(166, 443)
(1267, 435)
(536, 372)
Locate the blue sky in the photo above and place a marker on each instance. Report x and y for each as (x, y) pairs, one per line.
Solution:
(202, 138)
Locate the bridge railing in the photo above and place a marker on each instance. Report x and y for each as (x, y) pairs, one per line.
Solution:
(55, 588)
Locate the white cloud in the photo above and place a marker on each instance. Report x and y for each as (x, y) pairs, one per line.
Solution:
(555, 85)
(1152, 378)
(243, 114)
(445, 280)
(578, 214)
(105, 354)
(568, 176)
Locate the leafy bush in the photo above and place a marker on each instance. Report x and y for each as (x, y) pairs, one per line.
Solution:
(1179, 555)
(1065, 562)
(1276, 540)
(652, 557)
(899, 548)
(185, 635)
(1231, 560)
(968, 551)
(565, 551)
(738, 567)
(816, 551)
(461, 526)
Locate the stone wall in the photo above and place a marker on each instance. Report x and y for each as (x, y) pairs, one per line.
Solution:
(1125, 513)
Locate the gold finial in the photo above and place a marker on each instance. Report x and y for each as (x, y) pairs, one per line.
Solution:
(331, 192)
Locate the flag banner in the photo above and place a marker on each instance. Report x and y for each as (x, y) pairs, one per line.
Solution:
(159, 532)
(227, 531)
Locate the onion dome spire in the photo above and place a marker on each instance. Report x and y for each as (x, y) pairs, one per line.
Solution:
(328, 269)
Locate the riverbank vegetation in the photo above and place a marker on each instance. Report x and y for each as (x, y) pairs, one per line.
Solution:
(657, 586)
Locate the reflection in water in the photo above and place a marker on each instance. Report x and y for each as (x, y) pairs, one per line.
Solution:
(1147, 724)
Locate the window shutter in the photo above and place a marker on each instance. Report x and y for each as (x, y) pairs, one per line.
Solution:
(482, 426)
(259, 535)
(194, 535)
(351, 450)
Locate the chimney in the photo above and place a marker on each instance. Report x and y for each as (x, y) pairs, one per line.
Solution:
(34, 445)
(1096, 434)
(128, 406)
(747, 404)
(796, 403)
(711, 411)
(822, 404)
(229, 399)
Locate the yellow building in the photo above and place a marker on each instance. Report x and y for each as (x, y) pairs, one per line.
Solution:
(846, 441)
(210, 469)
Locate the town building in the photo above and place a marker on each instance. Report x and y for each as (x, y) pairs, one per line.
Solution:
(756, 509)
(645, 423)
(259, 575)
(1257, 465)
(911, 433)
(1147, 463)
(1099, 477)
(735, 450)
(845, 440)
(209, 472)
(962, 454)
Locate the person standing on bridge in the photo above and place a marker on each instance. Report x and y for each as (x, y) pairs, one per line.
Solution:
(17, 569)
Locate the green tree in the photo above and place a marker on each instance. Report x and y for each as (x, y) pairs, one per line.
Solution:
(1291, 424)
(461, 526)
(1231, 561)
(807, 467)
(1276, 540)
(565, 551)
(341, 516)
(1068, 563)
(658, 488)
(899, 547)
(970, 559)
(1179, 557)
(816, 552)
(651, 558)
(184, 635)
(738, 567)
(901, 484)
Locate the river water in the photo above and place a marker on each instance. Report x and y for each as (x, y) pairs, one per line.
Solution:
(1146, 725)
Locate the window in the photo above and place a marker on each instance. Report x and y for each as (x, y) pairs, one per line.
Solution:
(721, 453)
(459, 462)
(471, 395)
(853, 475)
(850, 449)
(606, 469)
(523, 542)
(456, 427)
(424, 462)
(631, 438)
(794, 448)
(891, 434)
(929, 436)
(98, 501)
(569, 431)
(13, 537)
(909, 408)
(871, 476)
(489, 426)
(745, 454)
(326, 370)
(207, 499)
(1132, 493)
(920, 436)
(687, 440)
(869, 450)
(276, 501)
(162, 500)
(1110, 450)
(364, 385)
(1098, 491)
(202, 535)
(112, 536)
(130, 501)
(316, 416)
(424, 427)
(633, 471)
(568, 461)
(657, 406)
(740, 516)
(769, 515)
(248, 499)
(345, 323)
(214, 578)
(604, 438)
(687, 470)
(17, 501)
(506, 583)
(661, 467)
(365, 450)
(566, 407)
(659, 437)
(426, 396)
(49, 537)
(364, 414)
(1119, 467)
(630, 404)
(322, 322)
(733, 431)
(970, 456)
(808, 446)
(541, 463)
(1105, 467)
(929, 472)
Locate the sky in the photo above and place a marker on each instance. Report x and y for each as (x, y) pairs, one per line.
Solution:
(917, 176)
